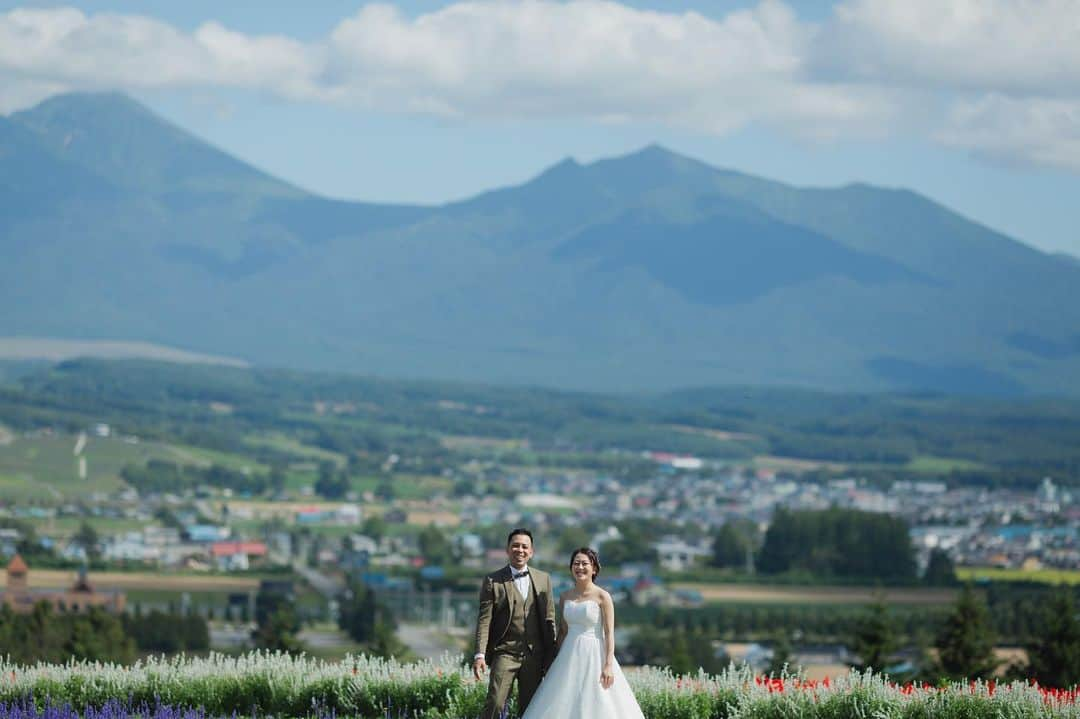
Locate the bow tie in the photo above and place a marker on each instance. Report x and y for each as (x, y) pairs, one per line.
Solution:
(515, 573)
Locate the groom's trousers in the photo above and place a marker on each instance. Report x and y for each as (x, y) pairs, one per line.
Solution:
(526, 668)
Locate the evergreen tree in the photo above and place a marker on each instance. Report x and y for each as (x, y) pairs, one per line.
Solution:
(87, 538)
(729, 547)
(874, 640)
(966, 641)
(838, 542)
(940, 571)
(1055, 655)
(679, 659)
(277, 633)
(434, 547)
(386, 643)
(782, 655)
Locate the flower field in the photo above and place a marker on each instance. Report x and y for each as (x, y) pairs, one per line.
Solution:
(258, 685)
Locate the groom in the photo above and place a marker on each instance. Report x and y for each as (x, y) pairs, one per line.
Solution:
(515, 630)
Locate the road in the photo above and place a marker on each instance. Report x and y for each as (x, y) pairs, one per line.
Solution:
(428, 641)
(329, 587)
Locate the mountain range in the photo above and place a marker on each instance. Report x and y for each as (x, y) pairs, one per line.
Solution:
(647, 271)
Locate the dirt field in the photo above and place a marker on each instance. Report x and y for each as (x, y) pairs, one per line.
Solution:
(793, 464)
(63, 578)
(717, 434)
(761, 593)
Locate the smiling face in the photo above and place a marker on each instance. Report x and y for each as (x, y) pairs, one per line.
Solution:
(520, 550)
(583, 568)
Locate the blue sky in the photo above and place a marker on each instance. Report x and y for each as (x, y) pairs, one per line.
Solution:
(975, 103)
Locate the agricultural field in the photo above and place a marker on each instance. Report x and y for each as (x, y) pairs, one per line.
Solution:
(203, 457)
(783, 594)
(293, 446)
(45, 469)
(1042, 576)
(141, 581)
(929, 464)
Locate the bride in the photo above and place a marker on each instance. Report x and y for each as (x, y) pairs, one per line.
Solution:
(585, 681)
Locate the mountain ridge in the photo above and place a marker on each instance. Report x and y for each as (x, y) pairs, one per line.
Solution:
(653, 270)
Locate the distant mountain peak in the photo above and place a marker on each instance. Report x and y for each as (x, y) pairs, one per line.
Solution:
(125, 142)
(567, 165)
(84, 100)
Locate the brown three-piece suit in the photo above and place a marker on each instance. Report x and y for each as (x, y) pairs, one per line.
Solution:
(516, 634)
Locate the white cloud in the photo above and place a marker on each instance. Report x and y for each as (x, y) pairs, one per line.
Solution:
(959, 71)
(56, 50)
(589, 59)
(1012, 46)
(1028, 131)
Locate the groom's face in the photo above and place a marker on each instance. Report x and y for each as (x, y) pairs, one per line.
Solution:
(519, 550)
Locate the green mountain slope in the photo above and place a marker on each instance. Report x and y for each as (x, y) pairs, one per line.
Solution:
(651, 270)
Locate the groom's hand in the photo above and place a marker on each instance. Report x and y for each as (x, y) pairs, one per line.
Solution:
(479, 666)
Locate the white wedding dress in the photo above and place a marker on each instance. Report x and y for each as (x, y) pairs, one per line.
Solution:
(571, 688)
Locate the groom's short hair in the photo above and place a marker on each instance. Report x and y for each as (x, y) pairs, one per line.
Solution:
(516, 532)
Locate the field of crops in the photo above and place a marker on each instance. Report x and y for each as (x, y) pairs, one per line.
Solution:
(259, 685)
(1042, 576)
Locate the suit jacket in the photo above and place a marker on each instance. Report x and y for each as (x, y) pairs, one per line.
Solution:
(496, 594)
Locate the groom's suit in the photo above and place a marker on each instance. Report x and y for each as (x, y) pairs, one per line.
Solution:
(516, 635)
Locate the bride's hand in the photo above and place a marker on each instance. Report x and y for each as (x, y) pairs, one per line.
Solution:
(607, 677)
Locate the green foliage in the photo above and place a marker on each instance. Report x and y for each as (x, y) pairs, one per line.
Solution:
(1014, 443)
(874, 639)
(733, 545)
(965, 641)
(157, 631)
(49, 636)
(683, 652)
(1054, 658)
(331, 483)
(370, 622)
(434, 546)
(940, 570)
(261, 685)
(276, 621)
(87, 538)
(159, 476)
(838, 542)
(782, 655)
(277, 632)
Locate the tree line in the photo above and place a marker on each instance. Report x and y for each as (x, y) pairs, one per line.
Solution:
(159, 476)
(844, 543)
(47, 635)
(1027, 439)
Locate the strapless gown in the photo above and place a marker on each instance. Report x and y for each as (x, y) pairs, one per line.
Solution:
(571, 688)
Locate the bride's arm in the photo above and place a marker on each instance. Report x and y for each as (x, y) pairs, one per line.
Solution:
(563, 629)
(607, 674)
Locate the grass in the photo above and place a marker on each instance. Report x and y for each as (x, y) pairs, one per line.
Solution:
(929, 464)
(67, 526)
(46, 469)
(295, 447)
(781, 594)
(162, 599)
(200, 456)
(1042, 576)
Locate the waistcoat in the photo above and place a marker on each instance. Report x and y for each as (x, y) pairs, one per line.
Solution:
(525, 632)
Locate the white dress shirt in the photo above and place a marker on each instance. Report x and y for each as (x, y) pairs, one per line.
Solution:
(522, 580)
